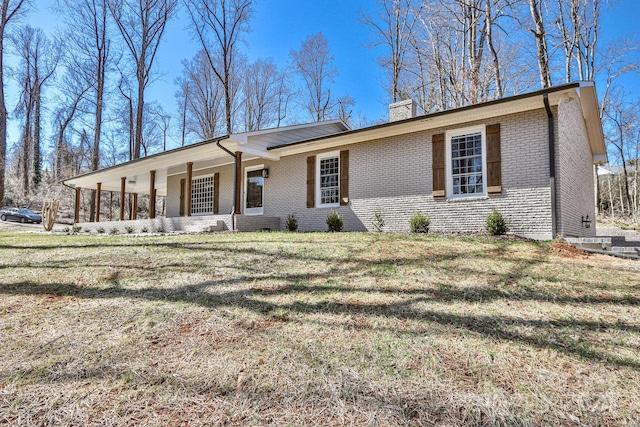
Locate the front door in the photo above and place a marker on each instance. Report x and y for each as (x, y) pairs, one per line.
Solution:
(253, 190)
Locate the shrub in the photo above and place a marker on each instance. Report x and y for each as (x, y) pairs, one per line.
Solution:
(114, 230)
(292, 223)
(129, 229)
(496, 224)
(144, 230)
(419, 223)
(160, 229)
(334, 222)
(66, 230)
(76, 229)
(100, 230)
(378, 222)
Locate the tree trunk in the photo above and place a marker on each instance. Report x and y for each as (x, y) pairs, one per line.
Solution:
(139, 115)
(3, 110)
(541, 44)
(37, 155)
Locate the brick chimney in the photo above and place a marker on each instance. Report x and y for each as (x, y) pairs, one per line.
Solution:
(402, 110)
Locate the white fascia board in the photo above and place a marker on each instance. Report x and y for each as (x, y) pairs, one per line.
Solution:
(593, 123)
(138, 170)
(243, 137)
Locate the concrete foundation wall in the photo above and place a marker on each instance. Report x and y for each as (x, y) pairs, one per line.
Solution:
(194, 224)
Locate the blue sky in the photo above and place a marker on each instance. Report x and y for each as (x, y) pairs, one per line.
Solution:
(278, 26)
(281, 25)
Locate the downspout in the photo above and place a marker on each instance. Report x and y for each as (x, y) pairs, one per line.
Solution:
(235, 180)
(552, 165)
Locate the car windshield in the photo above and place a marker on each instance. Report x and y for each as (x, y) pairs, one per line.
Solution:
(26, 211)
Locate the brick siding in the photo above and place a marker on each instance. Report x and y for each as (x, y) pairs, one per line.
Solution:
(575, 180)
(393, 176)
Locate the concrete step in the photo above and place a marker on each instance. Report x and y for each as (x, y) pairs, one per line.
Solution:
(627, 250)
(605, 245)
(602, 243)
(220, 226)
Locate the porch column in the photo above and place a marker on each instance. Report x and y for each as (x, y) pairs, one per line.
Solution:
(76, 215)
(238, 176)
(134, 210)
(123, 183)
(98, 189)
(152, 194)
(188, 192)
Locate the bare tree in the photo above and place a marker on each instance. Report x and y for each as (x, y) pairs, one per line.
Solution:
(394, 29)
(202, 94)
(458, 53)
(314, 63)
(622, 122)
(219, 24)
(165, 120)
(152, 132)
(345, 108)
(540, 34)
(127, 112)
(577, 23)
(141, 24)
(72, 92)
(261, 87)
(89, 49)
(38, 59)
(10, 11)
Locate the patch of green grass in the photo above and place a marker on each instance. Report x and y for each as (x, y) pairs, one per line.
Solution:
(315, 329)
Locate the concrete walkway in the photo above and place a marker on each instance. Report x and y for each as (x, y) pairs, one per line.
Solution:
(620, 237)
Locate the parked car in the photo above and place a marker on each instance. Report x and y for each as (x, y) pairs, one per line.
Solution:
(20, 214)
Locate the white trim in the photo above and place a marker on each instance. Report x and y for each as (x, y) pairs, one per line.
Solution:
(449, 170)
(213, 190)
(252, 211)
(320, 157)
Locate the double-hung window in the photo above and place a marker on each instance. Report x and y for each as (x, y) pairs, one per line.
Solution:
(328, 179)
(466, 162)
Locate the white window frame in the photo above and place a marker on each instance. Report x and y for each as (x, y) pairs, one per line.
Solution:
(252, 211)
(319, 158)
(449, 166)
(193, 201)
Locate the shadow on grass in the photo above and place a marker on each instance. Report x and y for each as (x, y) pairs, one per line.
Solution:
(335, 269)
(548, 334)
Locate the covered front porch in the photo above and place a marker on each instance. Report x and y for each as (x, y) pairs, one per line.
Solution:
(206, 185)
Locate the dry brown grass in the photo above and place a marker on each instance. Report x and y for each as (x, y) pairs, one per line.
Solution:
(315, 329)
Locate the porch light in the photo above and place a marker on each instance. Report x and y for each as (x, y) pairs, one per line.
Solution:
(586, 222)
(265, 173)
(131, 181)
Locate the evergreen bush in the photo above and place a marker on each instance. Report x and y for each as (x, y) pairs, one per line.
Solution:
(419, 223)
(496, 224)
(292, 223)
(334, 222)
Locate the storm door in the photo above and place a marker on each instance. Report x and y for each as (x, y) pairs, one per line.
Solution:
(253, 191)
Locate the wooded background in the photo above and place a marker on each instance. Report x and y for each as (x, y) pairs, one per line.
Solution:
(83, 92)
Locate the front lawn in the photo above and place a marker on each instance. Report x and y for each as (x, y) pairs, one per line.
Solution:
(315, 329)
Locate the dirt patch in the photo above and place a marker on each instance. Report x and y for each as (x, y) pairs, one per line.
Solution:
(566, 250)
